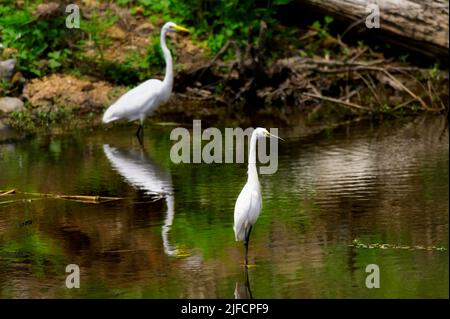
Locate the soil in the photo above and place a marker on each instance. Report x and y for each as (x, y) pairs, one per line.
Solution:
(79, 95)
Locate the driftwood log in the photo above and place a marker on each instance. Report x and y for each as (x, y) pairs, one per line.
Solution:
(419, 25)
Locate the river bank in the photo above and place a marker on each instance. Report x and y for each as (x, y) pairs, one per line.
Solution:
(279, 73)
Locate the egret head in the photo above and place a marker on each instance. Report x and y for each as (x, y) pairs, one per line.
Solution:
(261, 132)
(170, 26)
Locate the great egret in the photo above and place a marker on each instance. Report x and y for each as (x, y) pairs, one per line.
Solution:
(141, 101)
(249, 202)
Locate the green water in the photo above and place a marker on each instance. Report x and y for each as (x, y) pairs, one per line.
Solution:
(380, 184)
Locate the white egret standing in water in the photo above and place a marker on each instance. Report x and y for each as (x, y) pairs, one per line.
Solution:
(249, 202)
(141, 101)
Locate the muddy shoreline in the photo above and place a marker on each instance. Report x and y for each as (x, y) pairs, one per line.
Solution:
(181, 112)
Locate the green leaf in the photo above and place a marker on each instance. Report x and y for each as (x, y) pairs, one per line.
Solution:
(328, 20)
(316, 25)
(281, 2)
(146, 2)
(53, 64)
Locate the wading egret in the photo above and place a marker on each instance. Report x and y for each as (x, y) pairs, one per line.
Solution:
(141, 101)
(249, 202)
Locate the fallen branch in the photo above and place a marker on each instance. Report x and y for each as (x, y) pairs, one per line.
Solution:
(424, 105)
(371, 88)
(8, 192)
(78, 198)
(214, 59)
(18, 200)
(367, 77)
(403, 104)
(330, 99)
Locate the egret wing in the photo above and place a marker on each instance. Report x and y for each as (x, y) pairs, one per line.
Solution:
(246, 211)
(135, 102)
(256, 205)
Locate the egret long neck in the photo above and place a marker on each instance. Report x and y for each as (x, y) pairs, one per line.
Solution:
(252, 172)
(168, 78)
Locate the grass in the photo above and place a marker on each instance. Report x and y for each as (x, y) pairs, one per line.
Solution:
(31, 120)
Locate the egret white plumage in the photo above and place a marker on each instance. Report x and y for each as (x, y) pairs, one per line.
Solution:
(141, 101)
(249, 202)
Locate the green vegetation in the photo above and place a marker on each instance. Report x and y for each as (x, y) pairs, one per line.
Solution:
(118, 42)
(33, 39)
(31, 120)
(218, 21)
(42, 46)
(94, 27)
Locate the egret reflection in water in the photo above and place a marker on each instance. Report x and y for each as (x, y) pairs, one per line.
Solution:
(140, 171)
(242, 290)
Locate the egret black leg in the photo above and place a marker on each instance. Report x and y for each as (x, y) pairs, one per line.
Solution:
(246, 253)
(247, 238)
(140, 133)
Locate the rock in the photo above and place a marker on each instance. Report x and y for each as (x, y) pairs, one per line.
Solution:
(7, 69)
(8, 53)
(10, 104)
(17, 79)
(47, 10)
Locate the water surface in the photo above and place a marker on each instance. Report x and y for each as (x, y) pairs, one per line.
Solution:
(171, 236)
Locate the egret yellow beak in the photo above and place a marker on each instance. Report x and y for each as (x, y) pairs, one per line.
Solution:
(271, 135)
(178, 28)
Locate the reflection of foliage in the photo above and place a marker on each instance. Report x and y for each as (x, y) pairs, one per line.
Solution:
(204, 202)
(31, 245)
(435, 187)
